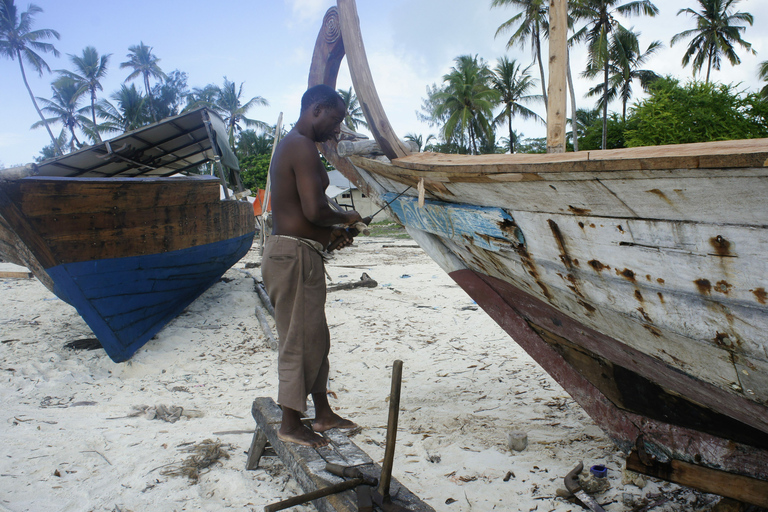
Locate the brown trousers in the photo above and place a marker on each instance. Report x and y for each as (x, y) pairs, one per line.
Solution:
(294, 276)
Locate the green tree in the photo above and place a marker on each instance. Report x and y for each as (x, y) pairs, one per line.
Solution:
(716, 32)
(592, 136)
(763, 74)
(355, 115)
(90, 69)
(532, 26)
(601, 23)
(228, 103)
(250, 143)
(419, 140)
(130, 112)
(625, 58)
(144, 64)
(63, 108)
(19, 42)
(169, 95)
(468, 101)
(513, 85)
(696, 112)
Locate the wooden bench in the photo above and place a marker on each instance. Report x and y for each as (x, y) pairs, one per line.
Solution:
(307, 465)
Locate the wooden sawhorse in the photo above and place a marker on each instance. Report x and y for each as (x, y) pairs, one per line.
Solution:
(307, 465)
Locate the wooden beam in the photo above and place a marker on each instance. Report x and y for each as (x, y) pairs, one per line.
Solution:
(558, 48)
(741, 488)
(363, 82)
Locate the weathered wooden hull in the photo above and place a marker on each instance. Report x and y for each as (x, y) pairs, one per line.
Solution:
(637, 277)
(128, 253)
(652, 316)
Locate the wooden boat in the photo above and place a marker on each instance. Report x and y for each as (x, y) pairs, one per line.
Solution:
(108, 230)
(636, 278)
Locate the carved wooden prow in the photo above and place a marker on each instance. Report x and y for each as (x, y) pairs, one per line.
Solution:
(340, 36)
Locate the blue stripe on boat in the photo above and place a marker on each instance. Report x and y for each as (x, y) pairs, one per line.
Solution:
(126, 301)
(486, 227)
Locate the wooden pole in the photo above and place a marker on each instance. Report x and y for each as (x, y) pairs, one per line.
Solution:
(558, 47)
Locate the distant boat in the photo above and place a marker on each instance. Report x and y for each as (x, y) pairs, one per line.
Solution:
(637, 278)
(109, 231)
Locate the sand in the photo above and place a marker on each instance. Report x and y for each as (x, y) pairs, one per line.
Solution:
(73, 440)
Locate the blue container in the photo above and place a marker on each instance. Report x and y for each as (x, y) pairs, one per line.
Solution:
(599, 471)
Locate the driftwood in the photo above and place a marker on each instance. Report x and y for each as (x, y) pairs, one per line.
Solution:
(364, 282)
(265, 298)
(260, 313)
(368, 147)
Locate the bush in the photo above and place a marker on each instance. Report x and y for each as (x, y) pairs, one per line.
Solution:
(696, 112)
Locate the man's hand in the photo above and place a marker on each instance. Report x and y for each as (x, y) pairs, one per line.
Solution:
(352, 218)
(340, 238)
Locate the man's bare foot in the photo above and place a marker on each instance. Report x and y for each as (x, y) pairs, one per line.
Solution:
(304, 436)
(332, 420)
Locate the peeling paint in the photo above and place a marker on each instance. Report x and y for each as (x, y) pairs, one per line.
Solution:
(598, 266)
(579, 211)
(723, 287)
(760, 294)
(661, 195)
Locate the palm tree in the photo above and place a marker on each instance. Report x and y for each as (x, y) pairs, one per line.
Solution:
(533, 26)
(64, 109)
(355, 115)
(130, 113)
(763, 74)
(468, 100)
(601, 22)
(715, 34)
(228, 104)
(625, 58)
(144, 64)
(513, 85)
(19, 42)
(419, 139)
(90, 69)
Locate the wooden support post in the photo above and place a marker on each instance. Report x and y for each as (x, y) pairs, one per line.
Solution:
(558, 48)
(741, 488)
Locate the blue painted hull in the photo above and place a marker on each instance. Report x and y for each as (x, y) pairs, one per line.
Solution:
(126, 301)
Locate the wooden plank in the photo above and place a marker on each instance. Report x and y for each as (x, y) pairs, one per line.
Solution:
(558, 48)
(308, 464)
(42, 196)
(704, 155)
(742, 488)
(17, 275)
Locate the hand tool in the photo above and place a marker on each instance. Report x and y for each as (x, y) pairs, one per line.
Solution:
(572, 484)
(353, 231)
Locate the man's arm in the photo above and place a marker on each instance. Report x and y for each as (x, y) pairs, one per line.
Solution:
(307, 169)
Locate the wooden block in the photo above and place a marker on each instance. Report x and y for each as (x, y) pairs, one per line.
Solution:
(307, 465)
(17, 275)
(737, 487)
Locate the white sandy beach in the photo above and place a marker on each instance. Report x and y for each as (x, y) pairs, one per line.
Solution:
(70, 442)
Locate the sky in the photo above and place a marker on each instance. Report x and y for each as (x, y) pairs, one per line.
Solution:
(267, 46)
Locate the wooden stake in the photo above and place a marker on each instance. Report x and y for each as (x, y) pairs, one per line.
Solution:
(558, 47)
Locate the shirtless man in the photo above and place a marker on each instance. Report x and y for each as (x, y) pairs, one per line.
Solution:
(303, 225)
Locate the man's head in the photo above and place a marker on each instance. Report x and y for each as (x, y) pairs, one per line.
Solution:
(325, 109)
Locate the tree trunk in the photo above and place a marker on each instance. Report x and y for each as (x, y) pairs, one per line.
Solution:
(709, 64)
(511, 140)
(29, 90)
(93, 115)
(149, 95)
(541, 71)
(574, 132)
(605, 104)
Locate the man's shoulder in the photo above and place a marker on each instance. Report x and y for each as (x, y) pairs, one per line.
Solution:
(295, 140)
